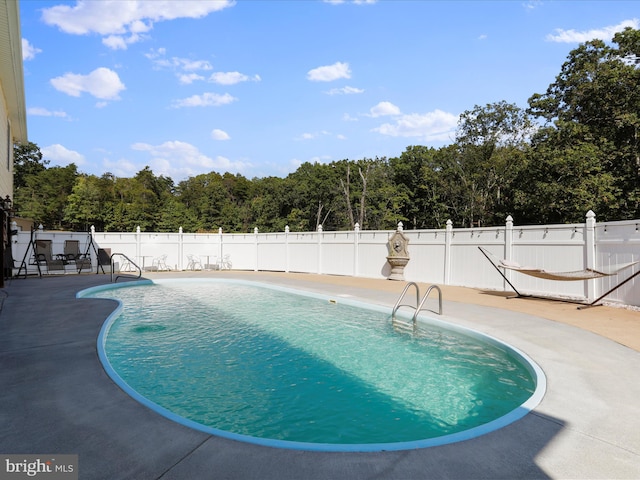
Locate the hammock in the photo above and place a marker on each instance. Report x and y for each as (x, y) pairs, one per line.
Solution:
(586, 274)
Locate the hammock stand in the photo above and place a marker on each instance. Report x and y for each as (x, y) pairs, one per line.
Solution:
(586, 274)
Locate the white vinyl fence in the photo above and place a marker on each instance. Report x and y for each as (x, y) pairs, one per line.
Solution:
(441, 256)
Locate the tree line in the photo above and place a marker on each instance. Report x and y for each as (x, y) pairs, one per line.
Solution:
(575, 148)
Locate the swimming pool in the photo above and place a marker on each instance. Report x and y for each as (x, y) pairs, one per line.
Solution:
(292, 369)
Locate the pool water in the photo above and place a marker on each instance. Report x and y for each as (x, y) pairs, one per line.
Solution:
(264, 363)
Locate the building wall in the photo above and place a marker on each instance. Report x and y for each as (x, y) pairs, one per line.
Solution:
(13, 121)
(6, 153)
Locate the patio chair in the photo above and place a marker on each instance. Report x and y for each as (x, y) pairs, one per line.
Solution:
(193, 263)
(225, 263)
(44, 257)
(160, 264)
(73, 255)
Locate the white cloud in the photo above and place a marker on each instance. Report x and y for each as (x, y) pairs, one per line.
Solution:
(43, 112)
(312, 135)
(344, 91)
(192, 65)
(153, 53)
(431, 126)
(127, 20)
(102, 83)
(186, 68)
(29, 52)
(383, 109)
(189, 78)
(532, 4)
(158, 57)
(115, 42)
(121, 168)
(329, 73)
(231, 78)
(605, 33)
(179, 160)
(218, 134)
(61, 155)
(207, 99)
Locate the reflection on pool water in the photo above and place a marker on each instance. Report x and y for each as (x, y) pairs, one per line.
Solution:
(285, 369)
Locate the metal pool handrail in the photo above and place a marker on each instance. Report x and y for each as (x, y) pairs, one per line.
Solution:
(404, 292)
(131, 262)
(419, 303)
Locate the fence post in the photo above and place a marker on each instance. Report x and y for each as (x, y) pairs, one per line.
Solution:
(508, 247)
(590, 253)
(356, 249)
(220, 258)
(138, 252)
(320, 249)
(180, 247)
(286, 249)
(448, 235)
(255, 235)
(93, 254)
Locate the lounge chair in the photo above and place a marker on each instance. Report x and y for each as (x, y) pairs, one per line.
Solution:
(44, 257)
(585, 274)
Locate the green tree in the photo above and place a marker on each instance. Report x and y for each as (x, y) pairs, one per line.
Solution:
(88, 203)
(597, 89)
(267, 205)
(489, 153)
(311, 197)
(565, 178)
(417, 184)
(44, 196)
(27, 160)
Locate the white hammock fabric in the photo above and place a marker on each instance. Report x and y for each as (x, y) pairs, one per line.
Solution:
(586, 274)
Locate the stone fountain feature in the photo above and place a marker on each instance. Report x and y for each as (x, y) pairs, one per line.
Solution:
(398, 254)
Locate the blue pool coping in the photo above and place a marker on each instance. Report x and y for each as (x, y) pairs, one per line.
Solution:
(526, 407)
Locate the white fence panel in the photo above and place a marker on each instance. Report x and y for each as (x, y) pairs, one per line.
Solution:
(239, 251)
(203, 248)
(125, 243)
(337, 252)
(427, 256)
(617, 244)
(303, 252)
(153, 246)
(372, 254)
(272, 252)
(558, 248)
(445, 256)
(469, 267)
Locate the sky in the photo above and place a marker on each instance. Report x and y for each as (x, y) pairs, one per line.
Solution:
(258, 87)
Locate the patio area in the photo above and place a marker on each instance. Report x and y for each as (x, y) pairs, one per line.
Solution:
(56, 398)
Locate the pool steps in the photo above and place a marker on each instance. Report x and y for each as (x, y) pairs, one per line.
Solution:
(401, 325)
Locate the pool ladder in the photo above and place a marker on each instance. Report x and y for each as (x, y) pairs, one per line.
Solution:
(419, 305)
(128, 263)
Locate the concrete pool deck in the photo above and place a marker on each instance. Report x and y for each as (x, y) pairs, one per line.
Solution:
(55, 398)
